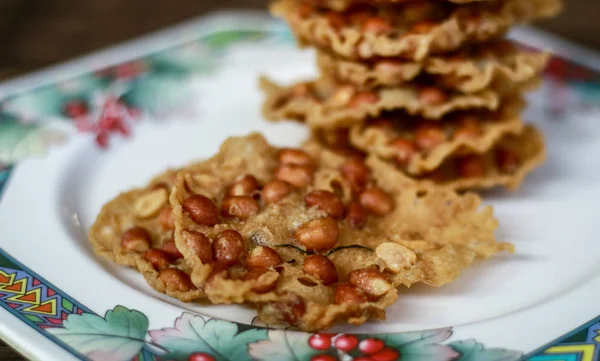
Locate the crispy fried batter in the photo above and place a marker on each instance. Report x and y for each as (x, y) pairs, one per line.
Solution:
(496, 65)
(433, 30)
(341, 5)
(505, 164)
(439, 234)
(460, 136)
(122, 214)
(326, 104)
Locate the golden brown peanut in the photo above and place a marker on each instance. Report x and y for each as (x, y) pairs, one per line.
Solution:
(318, 235)
(429, 136)
(470, 167)
(295, 157)
(218, 269)
(171, 250)
(166, 218)
(290, 310)
(422, 27)
(376, 201)
(507, 161)
(468, 128)
(263, 257)
(274, 191)
(346, 293)
(432, 95)
(321, 267)
(158, 258)
(404, 151)
(254, 274)
(377, 25)
(199, 244)
(176, 280)
(396, 257)
(370, 281)
(240, 207)
(244, 186)
(326, 201)
(296, 175)
(136, 239)
(356, 215)
(228, 247)
(151, 202)
(201, 210)
(342, 96)
(363, 98)
(357, 173)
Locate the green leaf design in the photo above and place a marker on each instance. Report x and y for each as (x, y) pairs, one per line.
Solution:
(222, 39)
(48, 102)
(186, 59)
(420, 346)
(471, 350)
(157, 93)
(218, 338)
(120, 335)
(18, 141)
(283, 346)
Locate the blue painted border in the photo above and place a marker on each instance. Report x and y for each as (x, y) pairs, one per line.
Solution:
(58, 291)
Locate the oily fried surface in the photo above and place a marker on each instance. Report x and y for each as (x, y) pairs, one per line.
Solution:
(527, 151)
(327, 104)
(505, 164)
(418, 146)
(140, 208)
(341, 5)
(424, 237)
(496, 65)
(408, 33)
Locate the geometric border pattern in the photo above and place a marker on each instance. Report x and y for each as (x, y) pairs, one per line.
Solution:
(34, 300)
(582, 344)
(41, 305)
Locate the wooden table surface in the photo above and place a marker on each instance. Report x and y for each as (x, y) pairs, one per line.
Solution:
(39, 33)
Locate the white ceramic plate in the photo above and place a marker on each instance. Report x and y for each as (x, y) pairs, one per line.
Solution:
(178, 95)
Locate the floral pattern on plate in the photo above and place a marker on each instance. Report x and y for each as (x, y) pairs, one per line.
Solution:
(123, 333)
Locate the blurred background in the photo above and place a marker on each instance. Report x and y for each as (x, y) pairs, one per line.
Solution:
(38, 33)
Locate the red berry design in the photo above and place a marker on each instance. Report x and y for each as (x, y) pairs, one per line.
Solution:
(323, 358)
(320, 341)
(102, 140)
(346, 343)
(76, 108)
(201, 356)
(371, 345)
(362, 358)
(129, 70)
(387, 354)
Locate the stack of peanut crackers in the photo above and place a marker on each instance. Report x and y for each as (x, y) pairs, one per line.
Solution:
(432, 87)
(416, 100)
